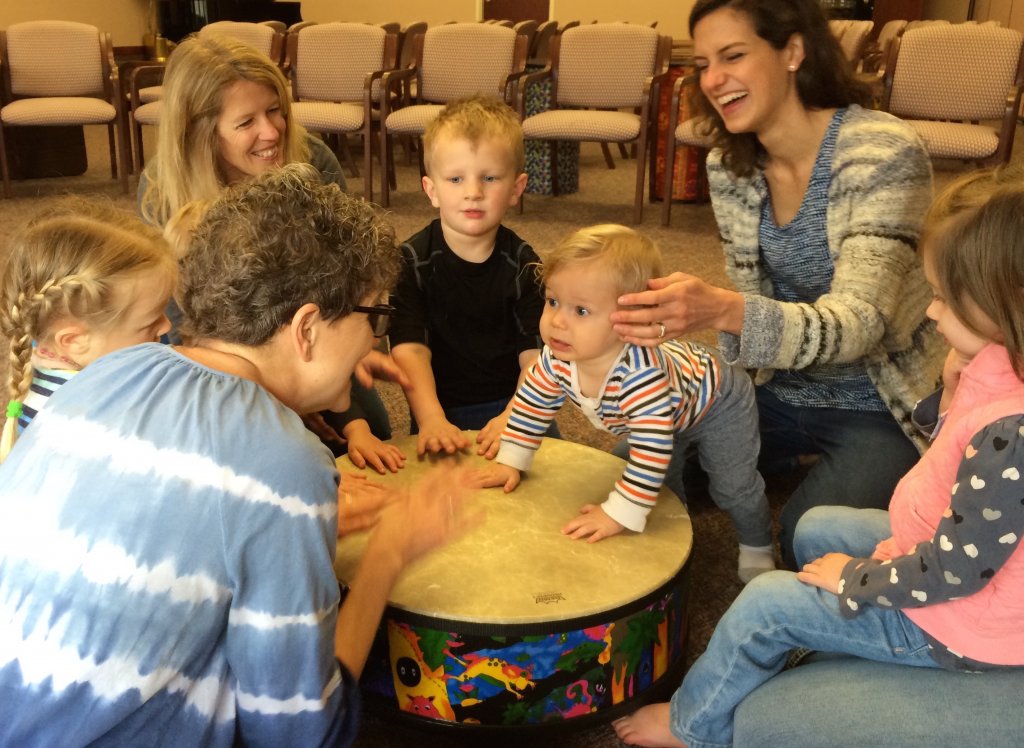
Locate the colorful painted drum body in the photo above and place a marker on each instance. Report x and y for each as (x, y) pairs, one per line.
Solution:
(515, 624)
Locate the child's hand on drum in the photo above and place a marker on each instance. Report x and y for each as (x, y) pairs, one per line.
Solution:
(593, 522)
(360, 502)
(489, 437)
(497, 474)
(439, 435)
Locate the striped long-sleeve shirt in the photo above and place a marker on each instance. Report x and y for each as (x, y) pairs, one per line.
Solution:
(648, 395)
(167, 537)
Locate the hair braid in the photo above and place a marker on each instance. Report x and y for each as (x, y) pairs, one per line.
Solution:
(22, 325)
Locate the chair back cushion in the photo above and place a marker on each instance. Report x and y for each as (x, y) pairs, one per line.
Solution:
(256, 35)
(463, 59)
(854, 39)
(890, 31)
(605, 65)
(954, 72)
(332, 60)
(55, 58)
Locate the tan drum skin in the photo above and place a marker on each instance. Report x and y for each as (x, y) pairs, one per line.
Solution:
(516, 579)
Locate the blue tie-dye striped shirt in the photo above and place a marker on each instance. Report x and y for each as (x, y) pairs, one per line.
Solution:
(167, 535)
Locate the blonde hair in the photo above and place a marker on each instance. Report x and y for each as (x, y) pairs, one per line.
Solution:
(974, 240)
(631, 258)
(476, 118)
(187, 164)
(179, 227)
(69, 261)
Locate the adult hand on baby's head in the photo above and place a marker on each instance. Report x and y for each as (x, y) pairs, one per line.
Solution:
(494, 475)
(672, 306)
(592, 523)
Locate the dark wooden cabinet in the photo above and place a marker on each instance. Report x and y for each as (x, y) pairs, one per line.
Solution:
(891, 10)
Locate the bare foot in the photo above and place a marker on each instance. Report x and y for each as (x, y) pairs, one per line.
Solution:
(648, 727)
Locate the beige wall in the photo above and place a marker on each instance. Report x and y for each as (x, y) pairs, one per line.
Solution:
(954, 11)
(671, 17)
(381, 11)
(125, 20)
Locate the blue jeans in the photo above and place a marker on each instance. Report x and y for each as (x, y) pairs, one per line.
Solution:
(727, 443)
(776, 613)
(862, 458)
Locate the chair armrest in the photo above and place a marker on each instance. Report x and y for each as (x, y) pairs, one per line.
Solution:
(370, 79)
(142, 76)
(389, 86)
(523, 82)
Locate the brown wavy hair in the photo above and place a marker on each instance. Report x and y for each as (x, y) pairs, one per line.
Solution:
(824, 80)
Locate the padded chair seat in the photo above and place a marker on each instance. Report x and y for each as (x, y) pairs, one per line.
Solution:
(412, 120)
(844, 702)
(70, 110)
(577, 124)
(149, 114)
(953, 140)
(328, 116)
(151, 93)
(686, 134)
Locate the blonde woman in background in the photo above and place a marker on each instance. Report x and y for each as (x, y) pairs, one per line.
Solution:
(226, 118)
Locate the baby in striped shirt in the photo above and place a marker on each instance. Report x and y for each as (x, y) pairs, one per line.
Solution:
(662, 398)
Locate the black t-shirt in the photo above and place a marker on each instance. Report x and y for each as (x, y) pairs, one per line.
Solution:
(476, 318)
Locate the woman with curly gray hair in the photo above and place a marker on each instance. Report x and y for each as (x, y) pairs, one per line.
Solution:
(175, 576)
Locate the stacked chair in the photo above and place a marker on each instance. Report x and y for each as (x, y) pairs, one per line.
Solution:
(490, 57)
(947, 80)
(597, 71)
(77, 86)
(336, 71)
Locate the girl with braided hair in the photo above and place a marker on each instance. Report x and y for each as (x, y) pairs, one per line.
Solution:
(83, 279)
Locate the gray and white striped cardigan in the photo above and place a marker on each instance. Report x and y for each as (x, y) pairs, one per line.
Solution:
(874, 310)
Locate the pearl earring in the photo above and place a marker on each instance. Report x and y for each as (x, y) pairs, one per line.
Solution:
(792, 68)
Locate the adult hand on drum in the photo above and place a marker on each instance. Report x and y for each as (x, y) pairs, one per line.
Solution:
(427, 515)
(494, 475)
(592, 523)
(360, 502)
(419, 519)
(676, 305)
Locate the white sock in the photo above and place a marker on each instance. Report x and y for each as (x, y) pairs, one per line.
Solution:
(754, 560)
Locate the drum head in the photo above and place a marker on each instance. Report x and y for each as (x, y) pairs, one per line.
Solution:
(516, 566)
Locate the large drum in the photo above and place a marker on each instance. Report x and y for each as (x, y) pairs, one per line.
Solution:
(515, 624)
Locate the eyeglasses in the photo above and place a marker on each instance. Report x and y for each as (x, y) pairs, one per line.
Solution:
(378, 316)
